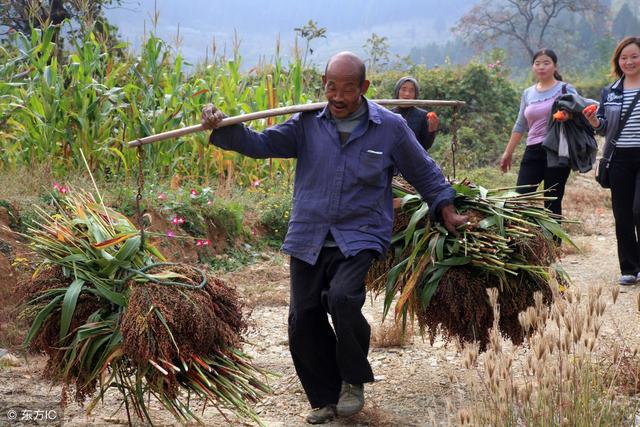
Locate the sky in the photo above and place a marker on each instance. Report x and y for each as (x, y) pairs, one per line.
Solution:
(258, 24)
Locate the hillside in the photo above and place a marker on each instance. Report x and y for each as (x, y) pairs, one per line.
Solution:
(406, 23)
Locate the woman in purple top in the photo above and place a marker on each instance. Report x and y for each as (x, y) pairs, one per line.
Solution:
(535, 109)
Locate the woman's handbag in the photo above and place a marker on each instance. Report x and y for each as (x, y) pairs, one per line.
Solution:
(602, 170)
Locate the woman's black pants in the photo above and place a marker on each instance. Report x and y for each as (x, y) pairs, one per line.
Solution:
(624, 174)
(534, 170)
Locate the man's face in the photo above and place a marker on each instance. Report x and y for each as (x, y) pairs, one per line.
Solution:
(343, 88)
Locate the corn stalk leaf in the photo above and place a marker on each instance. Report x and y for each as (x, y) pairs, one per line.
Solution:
(114, 241)
(417, 216)
(69, 305)
(432, 285)
(40, 318)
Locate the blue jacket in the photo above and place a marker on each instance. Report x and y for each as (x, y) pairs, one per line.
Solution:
(343, 188)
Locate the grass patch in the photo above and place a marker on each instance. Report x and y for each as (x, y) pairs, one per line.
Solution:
(233, 259)
(274, 209)
(391, 334)
(490, 177)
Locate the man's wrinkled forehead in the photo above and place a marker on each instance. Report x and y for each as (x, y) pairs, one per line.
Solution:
(345, 67)
(343, 75)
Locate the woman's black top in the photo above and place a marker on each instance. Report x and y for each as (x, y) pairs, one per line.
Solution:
(417, 120)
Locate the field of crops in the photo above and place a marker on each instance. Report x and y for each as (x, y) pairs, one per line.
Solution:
(100, 97)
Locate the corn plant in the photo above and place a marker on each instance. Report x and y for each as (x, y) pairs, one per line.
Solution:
(99, 98)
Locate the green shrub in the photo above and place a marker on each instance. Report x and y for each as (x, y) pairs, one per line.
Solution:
(484, 123)
(228, 215)
(233, 259)
(274, 209)
(194, 224)
(591, 87)
(125, 202)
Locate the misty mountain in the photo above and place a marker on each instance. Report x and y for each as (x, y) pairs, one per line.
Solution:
(406, 23)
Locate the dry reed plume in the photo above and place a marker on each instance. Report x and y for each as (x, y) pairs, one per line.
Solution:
(565, 380)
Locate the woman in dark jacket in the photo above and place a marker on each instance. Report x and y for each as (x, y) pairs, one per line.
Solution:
(424, 127)
(624, 169)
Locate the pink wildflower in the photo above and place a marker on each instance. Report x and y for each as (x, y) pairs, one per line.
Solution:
(256, 183)
(199, 243)
(170, 234)
(162, 196)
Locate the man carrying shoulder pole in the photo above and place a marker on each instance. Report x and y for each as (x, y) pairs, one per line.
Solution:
(341, 220)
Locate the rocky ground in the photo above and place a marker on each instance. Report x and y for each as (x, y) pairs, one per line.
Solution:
(417, 384)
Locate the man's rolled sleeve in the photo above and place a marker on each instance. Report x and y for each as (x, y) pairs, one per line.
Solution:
(422, 172)
(279, 141)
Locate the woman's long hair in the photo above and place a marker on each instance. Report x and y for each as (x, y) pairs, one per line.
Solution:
(551, 54)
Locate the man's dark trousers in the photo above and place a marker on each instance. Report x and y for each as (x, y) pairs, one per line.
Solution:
(324, 358)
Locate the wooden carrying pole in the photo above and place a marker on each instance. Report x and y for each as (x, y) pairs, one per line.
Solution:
(280, 112)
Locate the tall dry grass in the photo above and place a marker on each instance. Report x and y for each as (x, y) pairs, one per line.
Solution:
(571, 375)
(391, 334)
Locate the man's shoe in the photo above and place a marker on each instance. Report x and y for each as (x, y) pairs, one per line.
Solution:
(627, 279)
(351, 399)
(321, 415)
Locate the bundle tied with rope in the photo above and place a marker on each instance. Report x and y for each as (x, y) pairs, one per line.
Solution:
(442, 280)
(110, 313)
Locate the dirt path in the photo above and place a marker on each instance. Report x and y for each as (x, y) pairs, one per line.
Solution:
(416, 385)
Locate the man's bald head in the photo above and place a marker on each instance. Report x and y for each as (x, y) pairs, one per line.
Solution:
(346, 64)
(344, 84)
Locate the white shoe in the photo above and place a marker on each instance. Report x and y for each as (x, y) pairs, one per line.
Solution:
(627, 279)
